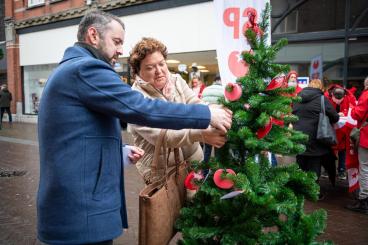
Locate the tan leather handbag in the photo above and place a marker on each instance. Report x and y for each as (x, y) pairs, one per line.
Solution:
(160, 202)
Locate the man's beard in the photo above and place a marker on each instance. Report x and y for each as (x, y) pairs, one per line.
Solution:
(102, 48)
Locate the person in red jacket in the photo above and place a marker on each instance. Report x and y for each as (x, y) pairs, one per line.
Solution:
(353, 90)
(360, 113)
(341, 99)
(197, 86)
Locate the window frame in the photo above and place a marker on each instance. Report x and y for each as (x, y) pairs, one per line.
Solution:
(35, 3)
(283, 25)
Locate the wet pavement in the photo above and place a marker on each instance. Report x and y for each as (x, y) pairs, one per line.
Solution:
(19, 154)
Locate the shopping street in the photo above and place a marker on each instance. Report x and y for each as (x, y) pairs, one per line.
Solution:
(19, 159)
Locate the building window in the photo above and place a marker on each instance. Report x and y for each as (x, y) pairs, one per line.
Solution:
(288, 25)
(35, 78)
(32, 3)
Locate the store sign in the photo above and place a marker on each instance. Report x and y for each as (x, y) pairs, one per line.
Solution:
(316, 68)
(233, 18)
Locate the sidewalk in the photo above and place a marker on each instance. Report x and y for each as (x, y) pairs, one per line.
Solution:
(19, 154)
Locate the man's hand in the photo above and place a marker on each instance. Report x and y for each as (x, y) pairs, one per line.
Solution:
(221, 117)
(214, 137)
(135, 154)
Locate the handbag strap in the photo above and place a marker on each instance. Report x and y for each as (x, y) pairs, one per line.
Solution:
(156, 164)
(177, 161)
(161, 143)
(323, 104)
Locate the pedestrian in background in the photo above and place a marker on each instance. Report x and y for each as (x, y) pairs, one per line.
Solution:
(5, 102)
(211, 95)
(341, 99)
(197, 86)
(81, 197)
(360, 113)
(195, 72)
(316, 153)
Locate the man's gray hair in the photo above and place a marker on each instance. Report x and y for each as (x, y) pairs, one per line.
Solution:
(97, 19)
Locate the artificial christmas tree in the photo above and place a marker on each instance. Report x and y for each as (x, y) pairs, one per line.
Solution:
(240, 199)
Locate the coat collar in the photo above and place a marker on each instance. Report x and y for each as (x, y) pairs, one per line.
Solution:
(149, 89)
(94, 51)
(77, 51)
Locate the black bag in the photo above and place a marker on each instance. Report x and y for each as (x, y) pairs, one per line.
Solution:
(326, 134)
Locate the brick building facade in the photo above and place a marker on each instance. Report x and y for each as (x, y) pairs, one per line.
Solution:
(23, 15)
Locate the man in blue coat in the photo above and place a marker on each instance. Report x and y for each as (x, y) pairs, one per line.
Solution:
(81, 191)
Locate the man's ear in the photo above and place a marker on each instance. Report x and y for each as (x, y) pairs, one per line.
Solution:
(93, 38)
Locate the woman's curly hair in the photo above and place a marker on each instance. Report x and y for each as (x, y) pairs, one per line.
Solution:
(144, 47)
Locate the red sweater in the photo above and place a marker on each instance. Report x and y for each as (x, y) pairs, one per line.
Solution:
(360, 113)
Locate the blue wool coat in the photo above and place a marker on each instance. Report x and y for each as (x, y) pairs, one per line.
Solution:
(81, 190)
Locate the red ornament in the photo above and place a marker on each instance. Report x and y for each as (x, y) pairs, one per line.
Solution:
(276, 82)
(262, 132)
(223, 183)
(188, 182)
(278, 122)
(233, 91)
(252, 15)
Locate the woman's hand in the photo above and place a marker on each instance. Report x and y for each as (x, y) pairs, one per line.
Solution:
(135, 154)
(214, 137)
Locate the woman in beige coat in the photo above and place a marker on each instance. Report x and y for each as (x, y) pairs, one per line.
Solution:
(153, 79)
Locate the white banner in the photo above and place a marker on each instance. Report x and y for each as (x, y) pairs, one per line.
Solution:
(233, 17)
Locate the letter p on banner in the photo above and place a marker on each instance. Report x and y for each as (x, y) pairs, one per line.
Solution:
(232, 18)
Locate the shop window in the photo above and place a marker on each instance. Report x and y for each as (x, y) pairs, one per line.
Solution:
(32, 3)
(35, 78)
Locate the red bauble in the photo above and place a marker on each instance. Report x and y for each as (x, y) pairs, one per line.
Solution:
(233, 91)
(276, 82)
(278, 122)
(188, 182)
(223, 183)
(262, 132)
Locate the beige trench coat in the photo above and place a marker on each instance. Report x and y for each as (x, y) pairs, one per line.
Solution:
(187, 140)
